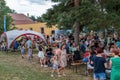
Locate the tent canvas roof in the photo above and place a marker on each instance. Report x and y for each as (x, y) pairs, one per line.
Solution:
(13, 34)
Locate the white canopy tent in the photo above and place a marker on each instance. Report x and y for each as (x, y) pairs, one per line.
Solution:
(12, 35)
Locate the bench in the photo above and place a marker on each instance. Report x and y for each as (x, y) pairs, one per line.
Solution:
(76, 64)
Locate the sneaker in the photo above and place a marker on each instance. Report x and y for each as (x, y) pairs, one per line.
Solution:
(64, 74)
(41, 65)
(45, 66)
(52, 75)
(59, 75)
(22, 57)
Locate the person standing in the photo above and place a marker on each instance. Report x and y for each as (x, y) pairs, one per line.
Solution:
(15, 45)
(41, 55)
(115, 66)
(22, 51)
(63, 60)
(100, 65)
(29, 43)
(57, 51)
(55, 66)
(30, 56)
(49, 55)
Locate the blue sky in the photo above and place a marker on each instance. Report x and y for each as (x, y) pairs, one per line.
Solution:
(33, 7)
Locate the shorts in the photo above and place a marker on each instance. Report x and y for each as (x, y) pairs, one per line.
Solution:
(22, 52)
(30, 55)
(85, 60)
(49, 56)
(100, 76)
(55, 66)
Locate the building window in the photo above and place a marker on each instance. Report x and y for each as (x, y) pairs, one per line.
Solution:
(53, 31)
(31, 28)
(42, 30)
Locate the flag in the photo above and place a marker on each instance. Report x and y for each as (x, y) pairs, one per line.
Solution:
(4, 23)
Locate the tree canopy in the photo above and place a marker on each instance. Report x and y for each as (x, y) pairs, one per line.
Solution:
(33, 18)
(91, 14)
(5, 10)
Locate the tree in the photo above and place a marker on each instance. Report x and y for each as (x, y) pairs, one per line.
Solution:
(12, 11)
(76, 24)
(4, 10)
(33, 18)
(113, 8)
(76, 13)
(81, 13)
(39, 19)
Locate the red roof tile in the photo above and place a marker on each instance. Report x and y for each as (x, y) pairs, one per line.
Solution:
(21, 19)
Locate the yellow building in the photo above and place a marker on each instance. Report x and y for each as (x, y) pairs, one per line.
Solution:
(23, 22)
(38, 27)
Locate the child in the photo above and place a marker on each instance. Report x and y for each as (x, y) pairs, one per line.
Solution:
(49, 55)
(86, 56)
(22, 51)
(55, 66)
(30, 53)
(42, 57)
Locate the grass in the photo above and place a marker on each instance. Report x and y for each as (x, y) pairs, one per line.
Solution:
(13, 67)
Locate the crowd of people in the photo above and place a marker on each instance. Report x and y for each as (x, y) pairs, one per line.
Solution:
(93, 50)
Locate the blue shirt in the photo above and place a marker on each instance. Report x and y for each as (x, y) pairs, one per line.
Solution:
(82, 47)
(118, 44)
(99, 64)
(29, 43)
(16, 44)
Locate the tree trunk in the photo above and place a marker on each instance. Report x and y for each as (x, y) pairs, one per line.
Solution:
(76, 32)
(76, 24)
(76, 3)
(102, 2)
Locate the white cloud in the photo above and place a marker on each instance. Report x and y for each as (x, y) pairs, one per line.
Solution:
(41, 2)
(33, 7)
